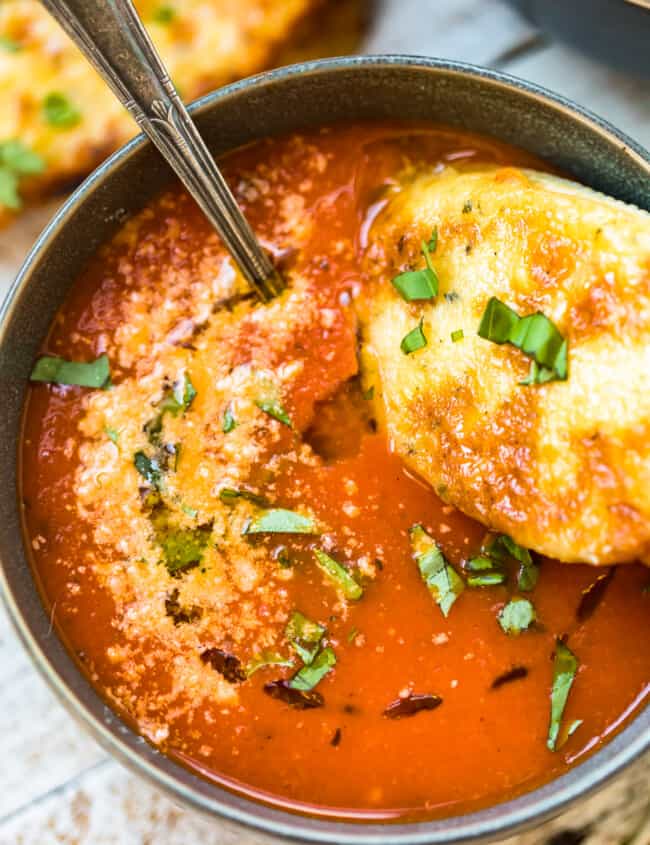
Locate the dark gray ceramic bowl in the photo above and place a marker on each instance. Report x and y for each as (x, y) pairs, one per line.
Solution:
(277, 102)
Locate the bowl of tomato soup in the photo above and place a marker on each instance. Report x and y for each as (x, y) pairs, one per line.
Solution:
(267, 599)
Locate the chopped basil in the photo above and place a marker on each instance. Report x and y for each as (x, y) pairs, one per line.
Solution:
(369, 394)
(565, 668)
(593, 595)
(84, 374)
(183, 548)
(274, 409)
(414, 340)
(113, 436)
(149, 469)
(516, 616)
(467, 207)
(444, 583)
(59, 111)
(229, 422)
(457, 335)
(229, 495)
(310, 675)
(16, 160)
(573, 727)
(9, 196)
(419, 284)
(537, 375)
(487, 578)
(415, 285)
(432, 243)
(412, 704)
(502, 546)
(352, 635)
(179, 398)
(164, 14)
(266, 659)
(226, 664)
(535, 335)
(281, 521)
(299, 699)
(338, 575)
(9, 44)
(305, 636)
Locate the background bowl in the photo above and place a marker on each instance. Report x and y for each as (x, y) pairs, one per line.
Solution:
(392, 87)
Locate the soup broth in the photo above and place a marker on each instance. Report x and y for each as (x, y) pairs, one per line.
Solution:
(237, 472)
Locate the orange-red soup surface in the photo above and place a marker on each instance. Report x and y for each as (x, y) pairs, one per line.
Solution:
(171, 650)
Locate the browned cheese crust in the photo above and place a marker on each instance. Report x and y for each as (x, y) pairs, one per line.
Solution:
(564, 467)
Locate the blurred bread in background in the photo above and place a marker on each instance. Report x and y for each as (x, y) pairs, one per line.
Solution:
(59, 120)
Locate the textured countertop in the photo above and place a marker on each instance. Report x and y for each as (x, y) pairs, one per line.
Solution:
(56, 784)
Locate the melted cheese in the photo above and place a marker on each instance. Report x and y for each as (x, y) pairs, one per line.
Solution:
(563, 468)
(205, 44)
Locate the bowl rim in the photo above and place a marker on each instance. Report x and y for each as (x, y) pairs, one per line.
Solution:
(176, 781)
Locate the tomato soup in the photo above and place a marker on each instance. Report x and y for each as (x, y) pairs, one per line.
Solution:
(241, 564)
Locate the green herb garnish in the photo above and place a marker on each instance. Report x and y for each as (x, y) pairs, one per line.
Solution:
(528, 571)
(16, 160)
(112, 434)
(281, 521)
(305, 636)
(493, 556)
(59, 111)
(183, 548)
(274, 409)
(229, 495)
(229, 423)
(338, 575)
(467, 207)
(419, 284)
(164, 14)
(565, 668)
(149, 469)
(84, 374)
(179, 398)
(307, 678)
(516, 616)
(9, 44)
(488, 578)
(535, 335)
(265, 659)
(432, 243)
(414, 340)
(442, 580)
(457, 335)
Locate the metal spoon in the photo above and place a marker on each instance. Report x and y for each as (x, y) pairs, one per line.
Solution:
(113, 39)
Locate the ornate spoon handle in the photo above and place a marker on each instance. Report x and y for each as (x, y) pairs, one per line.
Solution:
(112, 37)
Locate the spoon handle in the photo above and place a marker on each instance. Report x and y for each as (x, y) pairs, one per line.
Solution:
(113, 39)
